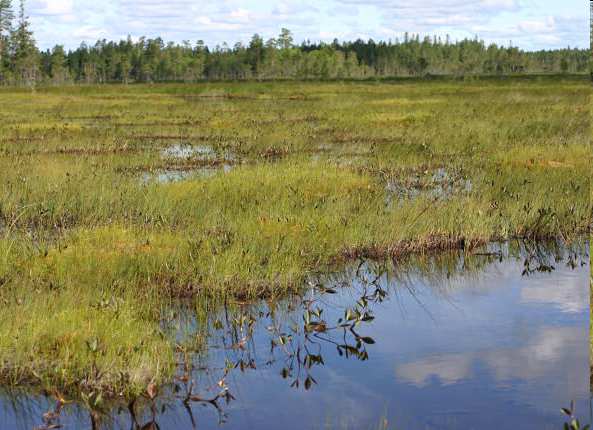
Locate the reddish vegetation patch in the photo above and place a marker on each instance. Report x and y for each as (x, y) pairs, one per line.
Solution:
(431, 244)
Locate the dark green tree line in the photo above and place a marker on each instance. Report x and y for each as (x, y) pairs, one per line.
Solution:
(154, 60)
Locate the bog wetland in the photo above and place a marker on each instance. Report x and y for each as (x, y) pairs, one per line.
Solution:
(490, 340)
(189, 250)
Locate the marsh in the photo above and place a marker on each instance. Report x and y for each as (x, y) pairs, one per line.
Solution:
(304, 180)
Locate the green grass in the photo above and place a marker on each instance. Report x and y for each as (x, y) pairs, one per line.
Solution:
(91, 252)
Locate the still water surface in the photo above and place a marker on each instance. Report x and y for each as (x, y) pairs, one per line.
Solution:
(440, 344)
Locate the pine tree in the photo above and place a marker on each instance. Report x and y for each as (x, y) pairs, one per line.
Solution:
(25, 56)
(285, 39)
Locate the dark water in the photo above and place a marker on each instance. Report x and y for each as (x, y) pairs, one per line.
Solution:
(451, 343)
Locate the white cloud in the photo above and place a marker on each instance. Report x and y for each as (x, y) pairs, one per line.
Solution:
(89, 32)
(52, 7)
(534, 366)
(529, 24)
(537, 26)
(449, 369)
(570, 296)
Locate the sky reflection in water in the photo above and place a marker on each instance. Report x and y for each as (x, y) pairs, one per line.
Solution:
(487, 349)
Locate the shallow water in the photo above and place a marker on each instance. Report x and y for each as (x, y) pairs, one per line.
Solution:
(165, 176)
(482, 343)
(440, 185)
(188, 151)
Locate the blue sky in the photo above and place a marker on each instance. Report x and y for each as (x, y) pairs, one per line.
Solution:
(530, 24)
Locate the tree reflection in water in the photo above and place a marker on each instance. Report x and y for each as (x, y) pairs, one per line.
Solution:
(299, 330)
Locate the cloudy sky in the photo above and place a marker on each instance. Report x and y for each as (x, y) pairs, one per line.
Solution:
(530, 24)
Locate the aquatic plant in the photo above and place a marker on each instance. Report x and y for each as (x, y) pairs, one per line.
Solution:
(323, 174)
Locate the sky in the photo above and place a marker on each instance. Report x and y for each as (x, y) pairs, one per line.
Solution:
(529, 24)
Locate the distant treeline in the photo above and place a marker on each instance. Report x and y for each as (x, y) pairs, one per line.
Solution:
(153, 60)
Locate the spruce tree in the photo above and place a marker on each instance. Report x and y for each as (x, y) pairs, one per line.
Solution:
(25, 55)
(58, 68)
(6, 17)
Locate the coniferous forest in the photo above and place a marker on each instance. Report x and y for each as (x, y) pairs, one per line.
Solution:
(154, 60)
